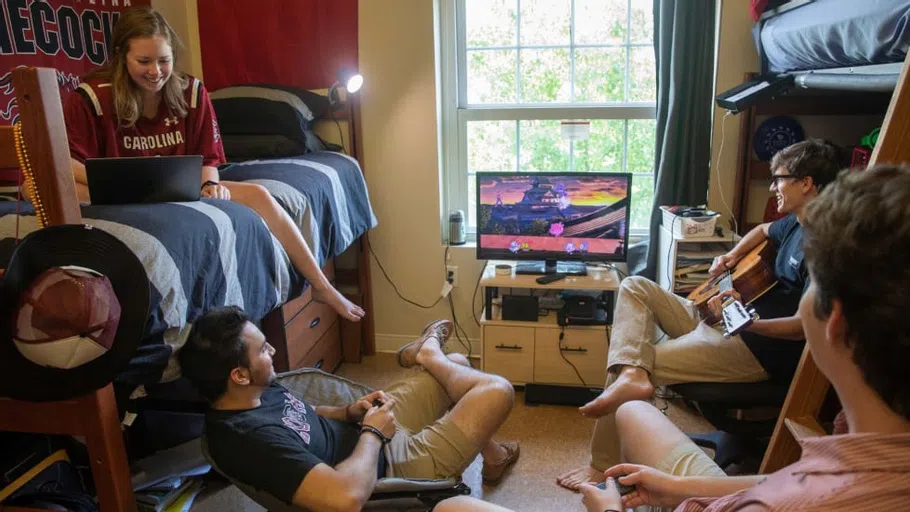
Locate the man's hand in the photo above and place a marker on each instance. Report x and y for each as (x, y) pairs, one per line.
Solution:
(216, 192)
(355, 412)
(721, 263)
(652, 487)
(382, 418)
(596, 500)
(716, 303)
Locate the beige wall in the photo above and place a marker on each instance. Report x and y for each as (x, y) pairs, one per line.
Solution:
(401, 163)
(183, 17)
(736, 55)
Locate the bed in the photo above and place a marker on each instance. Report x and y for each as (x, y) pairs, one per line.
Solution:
(210, 253)
(814, 39)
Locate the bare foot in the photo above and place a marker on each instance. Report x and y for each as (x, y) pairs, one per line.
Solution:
(339, 303)
(572, 479)
(632, 384)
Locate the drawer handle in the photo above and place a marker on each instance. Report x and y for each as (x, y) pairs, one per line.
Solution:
(319, 364)
(569, 349)
(509, 347)
(314, 322)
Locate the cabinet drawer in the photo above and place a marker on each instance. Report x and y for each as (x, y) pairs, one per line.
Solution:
(326, 354)
(584, 348)
(306, 328)
(509, 351)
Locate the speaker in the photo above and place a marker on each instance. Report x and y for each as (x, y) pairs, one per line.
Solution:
(520, 307)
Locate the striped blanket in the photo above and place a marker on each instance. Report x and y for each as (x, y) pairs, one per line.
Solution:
(210, 253)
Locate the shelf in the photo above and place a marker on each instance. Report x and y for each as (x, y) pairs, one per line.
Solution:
(843, 104)
(548, 321)
(759, 170)
(727, 237)
(598, 278)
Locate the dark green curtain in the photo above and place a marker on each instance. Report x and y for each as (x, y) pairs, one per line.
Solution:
(684, 34)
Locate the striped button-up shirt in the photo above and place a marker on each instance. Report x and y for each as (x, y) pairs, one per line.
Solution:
(839, 472)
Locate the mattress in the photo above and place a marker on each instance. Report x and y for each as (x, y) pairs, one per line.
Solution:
(834, 33)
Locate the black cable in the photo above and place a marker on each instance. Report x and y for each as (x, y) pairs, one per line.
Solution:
(474, 297)
(562, 334)
(340, 134)
(394, 287)
(464, 344)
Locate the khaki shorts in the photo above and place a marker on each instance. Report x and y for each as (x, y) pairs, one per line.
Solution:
(427, 443)
(687, 459)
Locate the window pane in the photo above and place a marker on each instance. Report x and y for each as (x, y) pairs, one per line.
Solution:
(491, 23)
(642, 139)
(600, 21)
(545, 76)
(600, 75)
(472, 200)
(541, 146)
(642, 74)
(642, 28)
(545, 22)
(491, 146)
(603, 150)
(642, 197)
(491, 76)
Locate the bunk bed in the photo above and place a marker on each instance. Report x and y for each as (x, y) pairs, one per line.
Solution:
(825, 59)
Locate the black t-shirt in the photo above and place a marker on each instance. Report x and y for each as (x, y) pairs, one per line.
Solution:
(275, 445)
(780, 357)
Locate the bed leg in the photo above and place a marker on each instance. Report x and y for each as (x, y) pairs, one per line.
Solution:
(365, 284)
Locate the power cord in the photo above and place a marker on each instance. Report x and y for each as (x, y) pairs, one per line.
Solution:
(395, 287)
(720, 187)
(562, 335)
(474, 296)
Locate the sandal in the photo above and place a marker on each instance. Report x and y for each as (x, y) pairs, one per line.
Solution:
(492, 473)
(439, 329)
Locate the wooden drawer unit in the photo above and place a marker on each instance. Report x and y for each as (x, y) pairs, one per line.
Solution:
(585, 348)
(509, 351)
(326, 354)
(305, 329)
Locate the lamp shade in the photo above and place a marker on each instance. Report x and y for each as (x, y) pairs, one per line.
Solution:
(351, 79)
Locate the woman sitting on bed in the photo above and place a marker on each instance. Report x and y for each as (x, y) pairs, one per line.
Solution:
(138, 105)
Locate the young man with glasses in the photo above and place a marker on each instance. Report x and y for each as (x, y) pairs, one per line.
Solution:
(693, 351)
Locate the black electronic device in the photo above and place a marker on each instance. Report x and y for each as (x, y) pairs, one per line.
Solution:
(550, 278)
(377, 402)
(151, 179)
(586, 310)
(748, 94)
(523, 308)
(623, 489)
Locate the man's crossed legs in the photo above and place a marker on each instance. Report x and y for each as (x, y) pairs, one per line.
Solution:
(447, 413)
(694, 352)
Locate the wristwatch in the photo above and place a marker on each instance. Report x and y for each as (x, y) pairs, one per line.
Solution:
(207, 183)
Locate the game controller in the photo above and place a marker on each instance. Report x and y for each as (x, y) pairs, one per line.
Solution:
(377, 402)
(623, 489)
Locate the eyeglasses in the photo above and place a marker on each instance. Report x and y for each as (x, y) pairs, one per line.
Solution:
(777, 178)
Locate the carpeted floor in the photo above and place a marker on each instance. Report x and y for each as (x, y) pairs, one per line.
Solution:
(553, 439)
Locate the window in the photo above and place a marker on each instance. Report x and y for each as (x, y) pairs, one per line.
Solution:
(513, 70)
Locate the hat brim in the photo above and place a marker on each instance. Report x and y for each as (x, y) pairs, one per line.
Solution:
(83, 246)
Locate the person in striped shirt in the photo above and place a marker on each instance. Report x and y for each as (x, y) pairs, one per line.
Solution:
(855, 317)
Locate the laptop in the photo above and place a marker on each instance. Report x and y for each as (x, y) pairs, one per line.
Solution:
(145, 179)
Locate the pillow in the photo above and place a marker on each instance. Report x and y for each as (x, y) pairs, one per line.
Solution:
(265, 109)
(250, 147)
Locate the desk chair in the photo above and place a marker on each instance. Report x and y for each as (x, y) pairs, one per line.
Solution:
(318, 387)
(741, 441)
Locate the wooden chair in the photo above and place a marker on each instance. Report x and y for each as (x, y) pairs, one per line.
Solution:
(799, 416)
(94, 415)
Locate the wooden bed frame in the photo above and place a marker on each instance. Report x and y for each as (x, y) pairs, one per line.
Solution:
(94, 416)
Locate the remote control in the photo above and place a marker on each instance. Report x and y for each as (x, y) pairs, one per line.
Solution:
(550, 278)
(623, 489)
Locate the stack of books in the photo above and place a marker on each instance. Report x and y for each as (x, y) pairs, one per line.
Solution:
(169, 480)
(174, 495)
(692, 266)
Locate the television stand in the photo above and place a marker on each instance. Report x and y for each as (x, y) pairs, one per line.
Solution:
(572, 268)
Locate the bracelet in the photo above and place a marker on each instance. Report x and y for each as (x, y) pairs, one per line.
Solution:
(373, 430)
(207, 183)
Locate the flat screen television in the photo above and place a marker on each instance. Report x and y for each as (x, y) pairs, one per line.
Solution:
(554, 222)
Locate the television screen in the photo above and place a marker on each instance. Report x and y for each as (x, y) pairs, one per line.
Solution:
(553, 216)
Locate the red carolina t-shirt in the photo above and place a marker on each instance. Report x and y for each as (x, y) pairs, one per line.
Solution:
(95, 132)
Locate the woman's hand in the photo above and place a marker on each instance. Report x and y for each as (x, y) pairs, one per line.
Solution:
(652, 487)
(355, 412)
(216, 191)
(596, 500)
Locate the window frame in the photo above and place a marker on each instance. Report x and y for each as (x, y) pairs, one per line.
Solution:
(455, 112)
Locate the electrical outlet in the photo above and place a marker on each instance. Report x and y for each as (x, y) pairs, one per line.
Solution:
(452, 274)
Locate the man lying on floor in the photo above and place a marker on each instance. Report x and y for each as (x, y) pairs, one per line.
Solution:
(432, 425)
